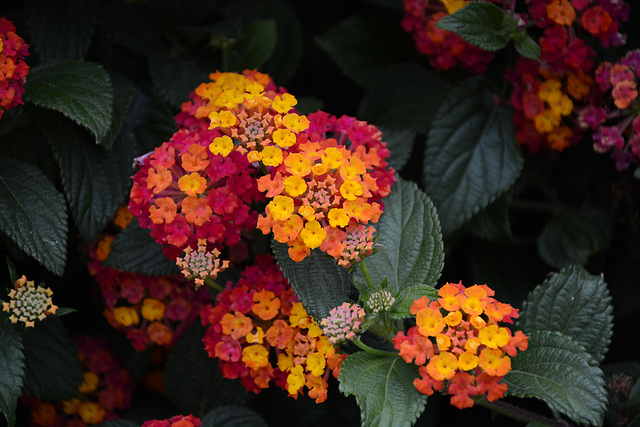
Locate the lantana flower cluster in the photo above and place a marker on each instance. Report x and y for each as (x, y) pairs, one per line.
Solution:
(460, 345)
(548, 94)
(147, 309)
(107, 387)
(260, 333)
(13, 69)
(176, 421)
(28, 303)
(444, 49)
(343, 322)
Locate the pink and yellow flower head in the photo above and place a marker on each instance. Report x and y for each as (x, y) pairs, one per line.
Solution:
(261, 334)
(28, 303)
(13, 69)
(343, 322)
(186, 195)
(201, 264)
(460, 344)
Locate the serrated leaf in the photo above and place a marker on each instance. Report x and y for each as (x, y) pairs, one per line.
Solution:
(61, 30)
(81, 91)
(256, 45)
(96, 182)
(633, 406)
(363, 45)
(560, 372)
(233, 416)
(403, 96)
(11, 369)
(124, 93)
(175, 76)
(576, 304)
(482, 24)
(401, 307)
(472, 155)
(383, 387)
(33, 214)
(193, 380)
(492, 223)
(411, 250)
(53, 369)
(571, 237)
(134, 250)
(400, 144)
(318, 281)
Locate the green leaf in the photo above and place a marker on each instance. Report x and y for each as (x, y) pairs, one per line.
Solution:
(575, 303)
(571, 237)
(175, 76)
(284, 60)
(383, 387)
(492, 223)
(13, 273)
(233, 416)
(81, 91)
(526, 46)
(318, 281)
(411, 249)
(193, 380)
(134, 250)
(482, 24)
(256, 45)
(33, 214)
(53, 369)
(363, 45)
(633, 406)
(403, 96)
(11, 369)
(155, 121)
(124, 93)
(400, 144)
(472, 155)
(61, 30)
(560, 372)
(96, 182)
(129, 24)
(401, 307)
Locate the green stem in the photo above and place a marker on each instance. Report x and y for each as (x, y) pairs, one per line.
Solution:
(213, 284)
(372, 350)
(519, 414)
(365, 273)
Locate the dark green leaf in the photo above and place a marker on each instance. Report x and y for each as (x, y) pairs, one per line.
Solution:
(404, 96)
(411, 249)
(257, 45)
(284, 59)
(124, 93)
(53, 369)
(134, 250)
(560, 372)
(33, 214)
(364, 45)
(472, 155)
(482, 24)
(318, 281)
(193, 380)
(401, 307)
(633, 406)
(61, 30)
(572, 237)
(13, 274)
(383, 387)
(575, 303)
(176, 76)
(61, 311)
(11, 369)
(492, 223)
(527, 47)
(81, 91)
(233, 416)
(129, 24)
(96, 182)
(400, 143)
(154, 121)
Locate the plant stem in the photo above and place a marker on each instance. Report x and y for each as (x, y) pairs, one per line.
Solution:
(213, 284)
(365, 273)
(519, 414)
(372, 350)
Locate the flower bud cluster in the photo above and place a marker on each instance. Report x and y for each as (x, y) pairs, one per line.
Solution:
(343, 322)
(28, 303)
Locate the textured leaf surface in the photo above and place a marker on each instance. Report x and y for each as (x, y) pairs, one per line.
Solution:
(193, 380)
(404, 96)
(318, 281)
(576, 304)
(482, 24)
(233, 416)
(411, 251)
(61, 30)
(11, 369)
(492, 223)
(81, 91)
(401, 307)
(134, 250)
(400, 144)
(33, 214)
(383, 387)
(572, 237)
(560, 372)
(95, 181)
(175, 77)
(472, 155)
(124, 93)
(53, 369)
(256, 45)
